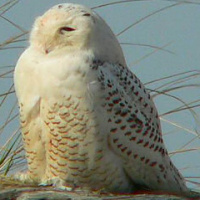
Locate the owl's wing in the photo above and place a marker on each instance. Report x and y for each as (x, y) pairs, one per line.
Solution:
(133, 127)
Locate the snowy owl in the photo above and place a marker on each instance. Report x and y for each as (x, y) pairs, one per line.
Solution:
(86, 119)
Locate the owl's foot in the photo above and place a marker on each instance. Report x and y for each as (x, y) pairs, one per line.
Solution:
(58, 183)
(100, 191)
(24, 177)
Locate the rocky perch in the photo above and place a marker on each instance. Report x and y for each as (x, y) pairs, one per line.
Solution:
(14, 190)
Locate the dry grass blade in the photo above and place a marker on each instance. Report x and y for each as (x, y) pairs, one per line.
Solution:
(171, 96)
(184, 1)
(179, 80)
(11, 161)
(8, 122)
(116, 2)
(17, 47)
(5, 95)
(183, 151)
(182, 108)
(189, 142)
(179, 126)
(8, 6)
(10, 150)
(189, 167)
(20, 40)
(172, 76)
(175, 110)
(149, 54)
(192, 177)
(147, 16)
(6, 73)
(14, 24)
(11, 112)
(194, 182)
(147, 45)
(9, 140)
(129, 1)
(164, 91)
(6, 66)
(12, 39)
(6, 153)
(15, 159)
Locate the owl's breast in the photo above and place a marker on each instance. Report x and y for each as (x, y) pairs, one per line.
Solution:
(52, 75)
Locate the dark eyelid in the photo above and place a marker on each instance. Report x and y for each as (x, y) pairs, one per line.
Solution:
(66, 28)
(87, 14)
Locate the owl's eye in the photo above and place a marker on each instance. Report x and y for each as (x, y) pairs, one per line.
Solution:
(66, 29)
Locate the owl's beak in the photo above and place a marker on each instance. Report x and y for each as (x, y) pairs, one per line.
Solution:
(48, 49)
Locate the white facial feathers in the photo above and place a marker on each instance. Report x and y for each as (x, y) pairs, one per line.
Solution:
(75, 27)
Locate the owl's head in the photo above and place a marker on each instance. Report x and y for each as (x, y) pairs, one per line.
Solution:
(75, 27)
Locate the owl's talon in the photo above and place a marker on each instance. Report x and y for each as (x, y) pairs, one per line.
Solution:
(43, 184)
(24, 177)
(61, 185)
(58, 184)
(66, 188)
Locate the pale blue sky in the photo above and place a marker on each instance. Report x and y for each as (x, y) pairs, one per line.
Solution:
(178, 26)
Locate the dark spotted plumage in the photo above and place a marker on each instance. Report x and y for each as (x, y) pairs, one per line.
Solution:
(133, 128)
